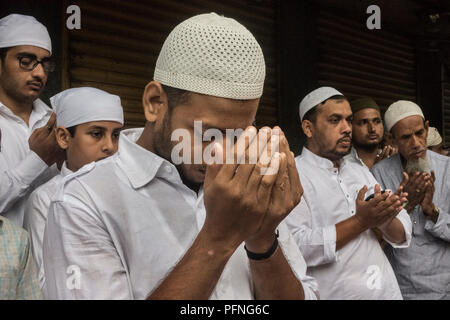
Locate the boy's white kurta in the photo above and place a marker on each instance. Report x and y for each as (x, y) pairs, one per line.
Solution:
(36, 211)
(21, 170)
(122, 224)
(359, 270)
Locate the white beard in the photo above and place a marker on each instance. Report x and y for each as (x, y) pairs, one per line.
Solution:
(417, 165)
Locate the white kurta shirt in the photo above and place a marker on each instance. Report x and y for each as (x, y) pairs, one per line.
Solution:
(121, 225)
(359, 270)
(36, 211)
(21, 170)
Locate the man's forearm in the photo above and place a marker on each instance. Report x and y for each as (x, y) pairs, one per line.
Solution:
(273, 278)
(394, 231)
(197, 273)
(348, 230)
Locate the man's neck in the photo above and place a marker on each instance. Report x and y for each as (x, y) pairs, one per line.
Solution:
(368, 156)
(21, 109)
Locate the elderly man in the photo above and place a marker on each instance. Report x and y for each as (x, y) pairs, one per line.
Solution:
(333, 220)
(28, 146)
(156, 234)
(422, 270)
(367, 133)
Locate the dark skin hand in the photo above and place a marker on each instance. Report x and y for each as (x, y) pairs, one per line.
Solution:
(43, 142)
(415, 189)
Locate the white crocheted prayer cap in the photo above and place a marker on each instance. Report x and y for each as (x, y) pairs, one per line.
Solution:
(80, 105)
(315, 97)
(20, 30)
(400, 110)
(433, 138)
(212, 55)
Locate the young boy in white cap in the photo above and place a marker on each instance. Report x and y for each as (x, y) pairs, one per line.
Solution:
(333, 220)
(28, 143)
(435, 143)
(422, 269)
(136, 226)
(88, 126)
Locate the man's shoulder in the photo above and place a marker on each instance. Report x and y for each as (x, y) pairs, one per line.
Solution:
(387, 164)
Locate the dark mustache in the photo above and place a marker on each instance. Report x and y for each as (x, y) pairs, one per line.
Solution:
(344, 137)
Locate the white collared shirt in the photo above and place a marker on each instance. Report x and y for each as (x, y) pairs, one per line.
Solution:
(21, 170)
(123, 223)
(359, 270)
(36, 210)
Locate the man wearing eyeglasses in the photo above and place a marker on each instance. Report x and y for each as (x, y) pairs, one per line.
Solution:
(28, 148)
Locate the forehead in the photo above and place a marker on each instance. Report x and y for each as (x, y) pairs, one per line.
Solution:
(368, 113)
(37, 51)
(111, 125)
(408, 125)
(335, 107)
(217, 112)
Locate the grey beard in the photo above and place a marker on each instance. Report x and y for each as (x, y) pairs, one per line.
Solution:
(417, 165)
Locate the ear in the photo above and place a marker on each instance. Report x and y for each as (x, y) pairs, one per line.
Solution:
(63, 137)
(427, 126)
(154, 101)
(307, 127)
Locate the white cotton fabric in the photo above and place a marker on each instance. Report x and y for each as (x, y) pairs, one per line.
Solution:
(212, 55)
(315, 97)
(360, 269)
(21, 30)
(21, 169)
(400, 110)
(81, 105)
(126, 239)
(433, 138)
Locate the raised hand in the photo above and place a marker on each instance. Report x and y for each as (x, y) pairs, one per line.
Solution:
(43, 142)
(379, 210)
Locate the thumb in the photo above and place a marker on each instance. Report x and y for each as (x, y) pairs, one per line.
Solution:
(361, 194)
(212, 169)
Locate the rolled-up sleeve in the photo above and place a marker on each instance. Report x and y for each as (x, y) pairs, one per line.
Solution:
(318, 245)
(405, 220)
(297, 263)
(15, 182)
(80, 260)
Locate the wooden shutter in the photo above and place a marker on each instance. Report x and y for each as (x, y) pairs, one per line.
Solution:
(446, 112)
(119, 41)
(360, 62)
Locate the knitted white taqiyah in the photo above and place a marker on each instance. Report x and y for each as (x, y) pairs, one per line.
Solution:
(212, 55)
(400, 110)
(433, 138)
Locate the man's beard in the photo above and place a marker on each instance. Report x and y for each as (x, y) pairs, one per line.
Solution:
(368, 147)
(417, 165)
(335, 155)
(162, 139)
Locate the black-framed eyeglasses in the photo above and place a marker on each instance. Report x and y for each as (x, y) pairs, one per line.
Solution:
(28, 63)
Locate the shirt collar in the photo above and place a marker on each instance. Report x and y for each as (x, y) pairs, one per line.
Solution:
(140, 165)
(356, 157)
(40, 110)
(64, 170)
(318, 161)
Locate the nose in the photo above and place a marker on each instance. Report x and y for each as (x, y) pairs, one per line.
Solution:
(108, 146)
(370, 127)
(346, 127)
(38, 72)
(415, 142)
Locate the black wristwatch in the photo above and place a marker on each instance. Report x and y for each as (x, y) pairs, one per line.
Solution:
(265, 255)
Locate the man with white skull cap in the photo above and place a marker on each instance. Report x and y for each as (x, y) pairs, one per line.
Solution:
(88, 126)
(421, 269)
(332, 224)
(28, 146)
(138, 226)
(435, 143)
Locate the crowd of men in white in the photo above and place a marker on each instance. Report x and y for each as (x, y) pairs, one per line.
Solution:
(361, 213)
